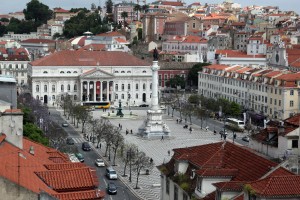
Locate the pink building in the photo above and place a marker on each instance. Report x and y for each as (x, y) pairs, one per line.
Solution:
(166, 74)
(153, 26)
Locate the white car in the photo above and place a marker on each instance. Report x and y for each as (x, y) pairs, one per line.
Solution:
(99, 162)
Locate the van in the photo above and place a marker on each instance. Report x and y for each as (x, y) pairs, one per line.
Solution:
(111, 173)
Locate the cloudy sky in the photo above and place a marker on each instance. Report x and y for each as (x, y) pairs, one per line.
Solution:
(18, 5)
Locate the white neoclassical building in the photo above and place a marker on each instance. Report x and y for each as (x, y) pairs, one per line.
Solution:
(91, 76)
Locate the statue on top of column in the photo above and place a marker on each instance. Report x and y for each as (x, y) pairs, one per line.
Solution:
(155, 55)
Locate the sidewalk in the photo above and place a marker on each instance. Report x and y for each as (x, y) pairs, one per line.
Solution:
(156, 149)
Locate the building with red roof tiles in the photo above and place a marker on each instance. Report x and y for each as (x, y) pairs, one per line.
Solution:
(32, 171)
(215, 171)
(275, 96)
(38, 48)
(60, 13)
(91, 76)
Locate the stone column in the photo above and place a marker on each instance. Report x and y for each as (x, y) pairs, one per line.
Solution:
(94, 89)
(154, 97)
(88, 90)
(107, 90)
(81, 91)
(101, 90)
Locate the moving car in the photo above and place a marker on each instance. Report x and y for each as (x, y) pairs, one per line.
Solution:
(99, 162)
(144, 105)
(70, 141)
(80, 157)
(86, 146)
(111, 188)
(65, 124)
(246, 138)
(111, 173)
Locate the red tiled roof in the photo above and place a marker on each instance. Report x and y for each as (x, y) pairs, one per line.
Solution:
(272, 74)
(236, 53)
(60, 10)
(111, 34)
(216, 172)
(226, 156)
(230, 186)
(2, 137)
(217, 67)
(13, 111)
(171, 3)
(289, 77)
(93, 47)
(90, 58)
(194, 39)
(294, 120)
(68, 179)
(121, 40)
(38, 41)
(84, 195)
(277, 186)
(64, 166)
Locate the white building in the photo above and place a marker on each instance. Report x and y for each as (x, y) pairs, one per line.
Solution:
(91, 76)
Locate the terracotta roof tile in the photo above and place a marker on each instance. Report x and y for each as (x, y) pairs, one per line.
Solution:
(93, 47)
(121, 40)
(64, 166)
(82, 195)
(37, 41)
(236, 53)
(230, 186)
(13, 111)
(216, 172)
(217, 67)
(90, 58)
(111, 34)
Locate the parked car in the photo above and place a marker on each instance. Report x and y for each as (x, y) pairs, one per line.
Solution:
(100, 162)
(65, 124)
(111, 173)
(80, 157)
(144, 105)
(111, 188)
(246, 138)
(86, 146)
(70, 141)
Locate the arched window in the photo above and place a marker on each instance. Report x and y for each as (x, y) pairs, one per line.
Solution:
(116, 71)
(75, 72)
(144, 71)
(122, 87)
(122, 72)
(122, 96)
(53, 88)
(62, 97)
(37, 97)
(62, 88)
(150, 86)
(128, 72)
(116, 96)
(62, 72)
(45, 88)
(53, 97)
(22, 66)
(144, 86)
(116, 87)
(75, 87)
(75, 97)
(136, 95)
(128, 86)
(68, 72)
(137, 86)
(45, 72)
(68, 87)
(37, 88)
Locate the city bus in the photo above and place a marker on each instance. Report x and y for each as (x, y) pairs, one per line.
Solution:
(97, 105)
(235, 123)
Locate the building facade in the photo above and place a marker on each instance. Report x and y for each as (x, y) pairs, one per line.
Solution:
(91, 76)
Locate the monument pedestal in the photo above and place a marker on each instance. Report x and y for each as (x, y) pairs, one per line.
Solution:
(153, 126)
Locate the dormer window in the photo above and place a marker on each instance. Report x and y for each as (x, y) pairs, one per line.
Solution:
(116, 71)
(128, 72)
(45, 72)
(122, 72)
(62, 72)
(75, 72)
(68, 72)
(144, 71)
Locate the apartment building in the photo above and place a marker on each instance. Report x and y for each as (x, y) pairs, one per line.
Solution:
(271, 92)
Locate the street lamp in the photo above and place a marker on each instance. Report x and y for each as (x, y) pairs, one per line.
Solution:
(128, 95)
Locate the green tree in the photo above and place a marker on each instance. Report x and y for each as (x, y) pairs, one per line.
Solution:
(109, 6)
(2, 30)
(137, 8)
(193, 73)
(124, 15)
(4, 20)
(34, 133)
(176, 81)
(75, 10)
(235, 109)
(145, 8)
(38, 12)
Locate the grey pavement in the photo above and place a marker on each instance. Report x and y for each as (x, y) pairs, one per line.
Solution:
(157, 149)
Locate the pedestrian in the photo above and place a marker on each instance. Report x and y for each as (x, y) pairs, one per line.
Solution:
(206, 128)
(177, 121)
(49, 113)
(151, 160)
(191, 129)
(215, 132)
(126, 131)
(162, 138)
(169, 152)
(131, 131)
(119, 125)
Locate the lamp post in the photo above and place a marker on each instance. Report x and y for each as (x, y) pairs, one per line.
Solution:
(129, 96)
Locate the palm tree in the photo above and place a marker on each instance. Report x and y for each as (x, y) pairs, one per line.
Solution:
(145, 8)
(124, 15)
(137, 8)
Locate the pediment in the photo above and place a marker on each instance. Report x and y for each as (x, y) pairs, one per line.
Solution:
(96, 73)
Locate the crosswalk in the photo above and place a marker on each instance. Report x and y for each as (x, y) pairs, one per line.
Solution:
(78, 140)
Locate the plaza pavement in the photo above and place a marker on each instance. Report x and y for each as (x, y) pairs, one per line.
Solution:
(156, 149)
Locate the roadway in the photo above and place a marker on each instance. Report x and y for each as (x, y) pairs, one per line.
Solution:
(89, 159)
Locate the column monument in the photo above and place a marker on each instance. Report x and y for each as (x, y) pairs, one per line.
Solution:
(153, 126)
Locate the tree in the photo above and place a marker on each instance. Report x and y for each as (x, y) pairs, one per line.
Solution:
(145, 8)
(2, 30)
(193, 73)
(194, 99)
(124, 15)
(75, 10)
(235, 109)
(127, 155)
(176, 81)
(34, 133)
(142, 162)
(4, 20)
(109, 6)
(137, 8)
(38, 12)
(118, 140)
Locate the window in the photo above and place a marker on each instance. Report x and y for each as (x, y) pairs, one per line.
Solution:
(199, 184)
(62, 72)
(122, 96)
(116, 96)
(122, 72)
(175, 192)
(184, 196)
(144, 71)
(75, 72)
(53, 97)
(62, 88)
(292, 92)
(75, 87)
(53, 88)
(37, 97)
(167, 185)
(128, 86)
(270, 100)
(279, 102)
(68, 87)
(294, 143)
(137, 86)
(68, 72)
(116, 87)
(122, 87)
(45, 88)
(75, 97)
(150, 86)
(45, 72)
(136, 95)
(144, 86)
(37, 88)
(128, 72)
(116, 71)
(194, 25)
(291, 103)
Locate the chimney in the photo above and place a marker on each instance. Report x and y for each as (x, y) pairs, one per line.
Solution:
(31, 150)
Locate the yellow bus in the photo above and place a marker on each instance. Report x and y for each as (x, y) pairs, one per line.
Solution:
(97, 105)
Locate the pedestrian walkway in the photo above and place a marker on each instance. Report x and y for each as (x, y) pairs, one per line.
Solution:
(78, 140)
(157, 149)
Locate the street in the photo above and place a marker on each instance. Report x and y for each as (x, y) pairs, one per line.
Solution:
(89, 159)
